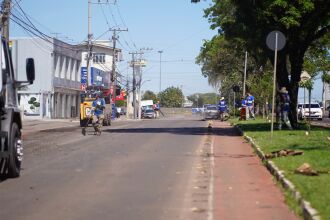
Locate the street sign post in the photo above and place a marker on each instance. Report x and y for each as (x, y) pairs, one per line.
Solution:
(275, 41)
(304, 76)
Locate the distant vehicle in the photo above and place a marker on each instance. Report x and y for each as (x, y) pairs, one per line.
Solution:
(316, 111)
(123, 111)
(87, 97)
(211, 112)
(147, 104)
(148, 113)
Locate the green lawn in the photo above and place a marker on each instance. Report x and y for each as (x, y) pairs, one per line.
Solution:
(316, 147)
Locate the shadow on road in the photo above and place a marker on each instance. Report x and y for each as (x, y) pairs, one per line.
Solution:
(177, 131)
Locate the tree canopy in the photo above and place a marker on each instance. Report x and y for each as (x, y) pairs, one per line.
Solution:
(150, 95)
(171, 97)
(244, 26)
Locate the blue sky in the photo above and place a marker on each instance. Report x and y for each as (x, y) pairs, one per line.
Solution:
(176, 27)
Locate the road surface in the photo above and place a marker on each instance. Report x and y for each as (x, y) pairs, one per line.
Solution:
(152, 169)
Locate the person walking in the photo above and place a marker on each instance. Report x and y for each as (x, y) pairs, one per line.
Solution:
(157, 108)
(98, 107)
(250, 105)
(284, 101)
(222, 107)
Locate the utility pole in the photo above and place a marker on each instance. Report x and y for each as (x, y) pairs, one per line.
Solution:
(142, 50)
(245, 67)
(134, 85)
(89, 43)
(113, 81)
(6, 5)
(134, 62)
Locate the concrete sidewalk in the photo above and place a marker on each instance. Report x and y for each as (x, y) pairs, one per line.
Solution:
(243, 187)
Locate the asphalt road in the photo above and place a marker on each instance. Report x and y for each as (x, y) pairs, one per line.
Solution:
(325, 122)
(152, 169)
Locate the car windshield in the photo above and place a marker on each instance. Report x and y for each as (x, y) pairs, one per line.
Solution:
(211, 108)
(312, 106)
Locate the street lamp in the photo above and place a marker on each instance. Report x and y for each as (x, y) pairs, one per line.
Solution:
(160, 70)
(148, 80)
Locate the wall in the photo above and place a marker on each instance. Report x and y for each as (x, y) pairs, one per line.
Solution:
(41, 52)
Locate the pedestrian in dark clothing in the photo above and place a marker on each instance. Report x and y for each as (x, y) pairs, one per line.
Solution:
(284, 101)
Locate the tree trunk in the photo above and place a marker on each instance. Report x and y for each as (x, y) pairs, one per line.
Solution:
(296, 60)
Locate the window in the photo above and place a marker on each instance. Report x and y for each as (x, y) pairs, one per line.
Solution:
(99, 58)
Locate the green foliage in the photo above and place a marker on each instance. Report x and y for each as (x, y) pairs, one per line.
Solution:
(261, 87)
(200, 99)
(317, 58)
(149, 95)
(120, 103)
(244, 25)
(326, 78)
(33, 102)
(171, 97)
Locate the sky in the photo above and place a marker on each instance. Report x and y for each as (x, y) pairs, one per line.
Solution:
(177, 28)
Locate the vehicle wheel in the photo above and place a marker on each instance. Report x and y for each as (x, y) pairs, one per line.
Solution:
(320, 119)
(83, 123)
(15, 150)
(105, 121)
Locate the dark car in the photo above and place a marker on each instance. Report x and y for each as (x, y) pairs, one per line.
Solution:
(148, 113)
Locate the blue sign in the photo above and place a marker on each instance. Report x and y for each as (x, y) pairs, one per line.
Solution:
(83, 79)
(97, 76)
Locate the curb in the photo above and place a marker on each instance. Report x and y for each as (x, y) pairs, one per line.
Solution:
(307, 210)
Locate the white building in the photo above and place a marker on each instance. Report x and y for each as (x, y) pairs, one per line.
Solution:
(56, 90)
(101, 62)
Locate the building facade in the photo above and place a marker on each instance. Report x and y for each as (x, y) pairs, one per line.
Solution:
(101, 63)
(56, 90)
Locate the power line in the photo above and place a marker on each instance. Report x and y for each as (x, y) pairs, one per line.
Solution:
(25, 16)
(37, 32)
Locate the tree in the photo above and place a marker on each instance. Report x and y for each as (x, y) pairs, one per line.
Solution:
(171, 97)
(149, 95)
(200, 99)
(317, 62)
(302, 22)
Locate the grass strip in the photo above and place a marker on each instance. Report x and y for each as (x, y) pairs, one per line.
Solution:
(316, 148)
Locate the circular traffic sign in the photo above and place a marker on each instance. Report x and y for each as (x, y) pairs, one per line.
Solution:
(271, 40)
(304, 76)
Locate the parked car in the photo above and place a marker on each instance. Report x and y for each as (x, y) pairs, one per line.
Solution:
(316, 111)
(211, 112)
(148, 113)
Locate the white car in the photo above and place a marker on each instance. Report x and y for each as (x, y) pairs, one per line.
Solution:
(211, 112)
(316, 111)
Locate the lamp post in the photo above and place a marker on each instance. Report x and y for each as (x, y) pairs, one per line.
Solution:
(160, 70)
(304, 77)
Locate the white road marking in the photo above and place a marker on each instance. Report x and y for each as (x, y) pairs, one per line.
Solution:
(211, 184)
